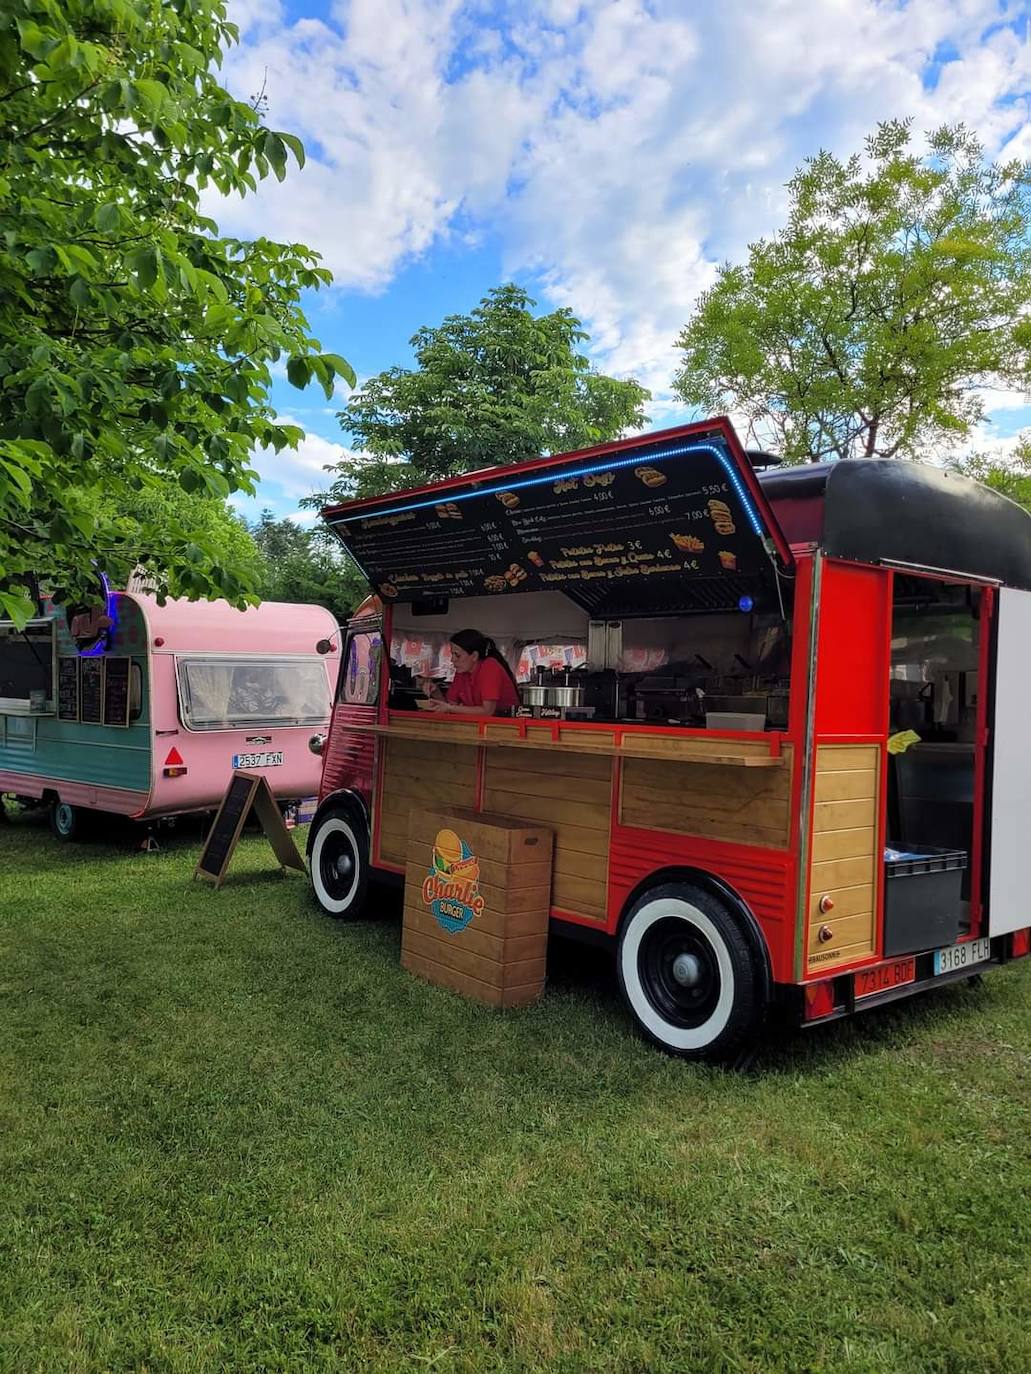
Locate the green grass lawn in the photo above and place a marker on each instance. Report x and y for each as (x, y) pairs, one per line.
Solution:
(234, 1135)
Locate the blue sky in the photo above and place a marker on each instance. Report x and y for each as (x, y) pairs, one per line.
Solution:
(607, 154)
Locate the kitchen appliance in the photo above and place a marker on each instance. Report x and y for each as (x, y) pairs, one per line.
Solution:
(553, 694)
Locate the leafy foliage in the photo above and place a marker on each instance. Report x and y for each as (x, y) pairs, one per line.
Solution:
(1013, 479)
(499, 385)
(172, 526)
(897, 288)
(302, 565)
(135, 344)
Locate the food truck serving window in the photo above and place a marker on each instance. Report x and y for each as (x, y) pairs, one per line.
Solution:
(220, 693)
(26, 662)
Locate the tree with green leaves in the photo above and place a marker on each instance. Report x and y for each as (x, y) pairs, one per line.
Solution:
(302, 565)
(1012, 478)
(899, 288)
(500, 385)
(136, 345)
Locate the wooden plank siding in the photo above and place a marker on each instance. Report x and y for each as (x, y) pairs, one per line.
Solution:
(574, 800)
(423, 775)
(739, 805)
(844, 862)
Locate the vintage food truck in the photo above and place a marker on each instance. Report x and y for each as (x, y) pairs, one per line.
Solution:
(141, 710)
(793, 772)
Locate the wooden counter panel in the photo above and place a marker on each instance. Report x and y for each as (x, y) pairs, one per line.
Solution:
(744, 806)
(420, 774)
(843, 864)
(537, 763)
(672, 745)
(574, 802)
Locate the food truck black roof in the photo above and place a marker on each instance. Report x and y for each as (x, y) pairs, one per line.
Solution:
(877, 510)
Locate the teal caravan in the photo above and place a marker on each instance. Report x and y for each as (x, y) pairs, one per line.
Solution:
(140, 710)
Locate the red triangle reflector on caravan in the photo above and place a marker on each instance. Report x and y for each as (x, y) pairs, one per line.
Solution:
(175, 759)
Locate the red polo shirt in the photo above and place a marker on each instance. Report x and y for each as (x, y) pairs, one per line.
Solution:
(488, 681)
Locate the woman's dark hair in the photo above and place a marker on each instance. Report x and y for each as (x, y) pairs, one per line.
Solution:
(475, 643)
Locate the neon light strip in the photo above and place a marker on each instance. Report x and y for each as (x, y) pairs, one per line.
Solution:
(556, 474)
(112, 612)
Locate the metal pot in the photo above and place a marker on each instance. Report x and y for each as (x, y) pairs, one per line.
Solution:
(534, 694)
(565, 696)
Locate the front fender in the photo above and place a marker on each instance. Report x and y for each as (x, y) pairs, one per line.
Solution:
(345, 797)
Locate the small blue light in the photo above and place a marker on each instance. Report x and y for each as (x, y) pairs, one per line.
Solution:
(745, 604)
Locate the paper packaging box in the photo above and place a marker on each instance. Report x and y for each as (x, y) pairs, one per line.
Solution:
(477, 896)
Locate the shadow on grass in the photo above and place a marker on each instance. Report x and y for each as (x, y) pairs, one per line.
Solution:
(575, 970)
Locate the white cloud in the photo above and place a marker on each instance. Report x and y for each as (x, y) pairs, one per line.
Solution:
(298, 472)
(619, 151)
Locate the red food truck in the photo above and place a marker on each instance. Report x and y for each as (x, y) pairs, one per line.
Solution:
(785, 755)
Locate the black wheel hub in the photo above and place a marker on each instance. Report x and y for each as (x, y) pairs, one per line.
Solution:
(679, 973)
(337, 864)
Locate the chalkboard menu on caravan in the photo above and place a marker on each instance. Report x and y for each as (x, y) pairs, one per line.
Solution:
(91, 690)
(676, 525)
(116, 691)
(68, 689)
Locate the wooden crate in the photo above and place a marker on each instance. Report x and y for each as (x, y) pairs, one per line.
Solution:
(477, 897)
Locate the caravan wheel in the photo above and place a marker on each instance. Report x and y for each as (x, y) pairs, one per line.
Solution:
(689, 975)
(67, 822)
(338, 857)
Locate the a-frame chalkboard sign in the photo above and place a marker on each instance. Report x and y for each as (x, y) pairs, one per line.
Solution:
(245, 790)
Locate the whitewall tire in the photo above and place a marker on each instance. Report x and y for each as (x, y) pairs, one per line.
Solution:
(338, 859)
(689, 974)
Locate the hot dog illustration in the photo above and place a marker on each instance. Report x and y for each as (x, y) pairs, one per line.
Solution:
(651, 477)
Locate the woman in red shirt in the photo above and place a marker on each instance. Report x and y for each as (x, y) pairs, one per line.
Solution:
(483, 683)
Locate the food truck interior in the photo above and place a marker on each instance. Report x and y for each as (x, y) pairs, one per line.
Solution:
(727, 670)
(935, 692)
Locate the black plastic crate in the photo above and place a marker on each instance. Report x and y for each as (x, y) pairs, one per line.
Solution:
(923, 900)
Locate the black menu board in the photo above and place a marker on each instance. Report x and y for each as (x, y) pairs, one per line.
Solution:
(116, 691)
(68, 689)
(91, 690)
(673, 526)
(226, 827)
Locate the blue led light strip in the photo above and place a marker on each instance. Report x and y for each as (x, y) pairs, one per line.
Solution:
(557, 473)
(112, 612)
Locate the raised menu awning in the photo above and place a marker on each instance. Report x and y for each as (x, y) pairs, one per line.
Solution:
(674, 521)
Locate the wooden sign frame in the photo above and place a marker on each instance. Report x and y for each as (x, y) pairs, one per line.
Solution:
(260, 799)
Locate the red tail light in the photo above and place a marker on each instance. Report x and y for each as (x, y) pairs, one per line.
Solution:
(819, 1000)
(1021, 943)
(174, 766)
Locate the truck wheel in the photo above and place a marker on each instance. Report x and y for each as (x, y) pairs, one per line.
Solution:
(689, 974)
(66, 821)
(338, 857)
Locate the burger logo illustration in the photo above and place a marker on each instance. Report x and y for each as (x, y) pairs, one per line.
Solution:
(450, 888)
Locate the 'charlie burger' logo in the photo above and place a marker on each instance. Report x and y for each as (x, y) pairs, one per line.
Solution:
(450, 889)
